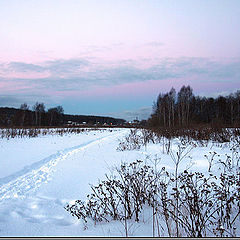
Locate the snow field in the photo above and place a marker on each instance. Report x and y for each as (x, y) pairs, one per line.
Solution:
(31, 184)
(39, 176)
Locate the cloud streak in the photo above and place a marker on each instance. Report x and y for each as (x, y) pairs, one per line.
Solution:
(57, 66)
(83, 74)
(80, 77)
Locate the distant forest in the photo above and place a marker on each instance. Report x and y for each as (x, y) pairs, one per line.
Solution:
(183, 109)
(39, 116)
(171, 110)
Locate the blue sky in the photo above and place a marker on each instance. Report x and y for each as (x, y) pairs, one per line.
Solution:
(114, 57)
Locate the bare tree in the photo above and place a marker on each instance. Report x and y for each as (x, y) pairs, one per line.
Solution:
(24, 107)
(39, 109)
(170, 110)
(164, 108)
(237, 97)
(54, 114)
(172, 99)
(184, 98)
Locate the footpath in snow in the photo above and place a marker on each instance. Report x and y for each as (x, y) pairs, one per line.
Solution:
(33, 195)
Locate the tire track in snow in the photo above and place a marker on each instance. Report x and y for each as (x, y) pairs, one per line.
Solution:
(19, 184)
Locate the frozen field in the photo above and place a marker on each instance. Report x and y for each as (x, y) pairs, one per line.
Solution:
(39, 176)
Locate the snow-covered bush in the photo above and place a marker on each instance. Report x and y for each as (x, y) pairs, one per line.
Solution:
(182, 203)
(190, 204)
(119, 197)
(207, 206)
(133, 141)
(199, 136)
(35, 132)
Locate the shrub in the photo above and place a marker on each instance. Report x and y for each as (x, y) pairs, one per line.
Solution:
(119, 197)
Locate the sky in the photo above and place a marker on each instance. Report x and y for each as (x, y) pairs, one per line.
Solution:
(113, 57)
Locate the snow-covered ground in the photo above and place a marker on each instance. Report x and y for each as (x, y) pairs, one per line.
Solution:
(39, 176)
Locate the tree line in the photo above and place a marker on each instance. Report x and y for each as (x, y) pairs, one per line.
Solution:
(184, 109)
(38, 116)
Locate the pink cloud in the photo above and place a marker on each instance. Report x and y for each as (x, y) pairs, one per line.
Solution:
(25, 75)
(152, 88)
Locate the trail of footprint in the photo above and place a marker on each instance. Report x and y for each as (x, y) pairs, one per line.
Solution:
(34, 210)
(30, 178)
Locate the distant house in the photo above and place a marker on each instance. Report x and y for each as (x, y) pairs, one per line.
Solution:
(134, 122)
(70, 123)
